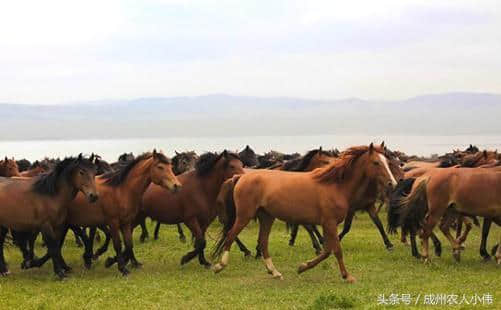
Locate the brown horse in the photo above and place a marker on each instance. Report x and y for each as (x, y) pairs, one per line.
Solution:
(121, 193)
(181, 162)
(322, 196)
(374, 194)
(195, 203)
(40, 204)
(9, 168)
(471, 191)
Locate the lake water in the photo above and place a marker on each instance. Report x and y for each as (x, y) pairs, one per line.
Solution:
(111, 149)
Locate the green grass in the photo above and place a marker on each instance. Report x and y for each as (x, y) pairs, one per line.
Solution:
(163, 284)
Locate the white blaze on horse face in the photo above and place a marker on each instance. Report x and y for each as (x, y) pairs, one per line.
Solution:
(387, 167)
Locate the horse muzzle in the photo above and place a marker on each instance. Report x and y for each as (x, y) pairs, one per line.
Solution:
(93, 197)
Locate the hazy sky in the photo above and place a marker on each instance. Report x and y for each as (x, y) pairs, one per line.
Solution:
(60, 51)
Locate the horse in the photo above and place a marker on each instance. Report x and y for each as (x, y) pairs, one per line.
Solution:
(322, 196)
(35, 169)
(194, 205)
(248, 157)
(9, 168)
(181, 162)
(23, 164)
(310, 161)
(40, 204)
(373, 194)
(121, 193)
(471, 191)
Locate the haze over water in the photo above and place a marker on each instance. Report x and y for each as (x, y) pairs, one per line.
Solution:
(110, 149)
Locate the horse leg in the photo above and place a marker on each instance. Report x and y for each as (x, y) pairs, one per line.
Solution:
(486, 226)
(242, 247)
(332, 245)
(414, 249)
(459, 225)
(60, 236)
(436, 244)
(469, 226)
(347, 224)
(315, 243)
(403, 237)
(444, 227)
(180, 231)
(3, 266)
(106, 243)
(265, 224)
(78, 236)
(293, 229)
(157, 230)
(53, 245)
(320, 237)
(117, 245)
(375, 219)
(194, 226)
(201, 246)
(129, 251)
(239, 224)
(144, 230)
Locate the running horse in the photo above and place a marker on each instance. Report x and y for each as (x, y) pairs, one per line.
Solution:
(121, 192)
(471, 191)
(194, 205)
(40, 204)
(322, 196)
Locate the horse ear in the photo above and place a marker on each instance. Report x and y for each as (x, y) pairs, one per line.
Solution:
(247, 147)
(371, 147)
(92, 156)
(382, 145)
(320, 149)
(80, 156)
(176, 152)
(6, 159)
(225, 153)
(155, 153)
(485, 153)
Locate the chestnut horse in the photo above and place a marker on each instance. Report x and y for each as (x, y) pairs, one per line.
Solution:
(40, 204)
(194, 205)
(373, 194)
(471, 191)
(121, 193)
(322, 196)
(9, 168)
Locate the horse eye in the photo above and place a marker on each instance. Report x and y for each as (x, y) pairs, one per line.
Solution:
(81, 172)
(376, 163)
(161, 167)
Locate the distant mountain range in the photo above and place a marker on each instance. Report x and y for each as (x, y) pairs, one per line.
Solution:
(224, 115)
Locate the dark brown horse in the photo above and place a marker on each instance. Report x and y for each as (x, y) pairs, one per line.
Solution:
(322, 196)
(40, 204)
(195, 204)
(9, 168)
(121, 193)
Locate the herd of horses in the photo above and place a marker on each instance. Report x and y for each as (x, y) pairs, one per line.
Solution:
(321, 188)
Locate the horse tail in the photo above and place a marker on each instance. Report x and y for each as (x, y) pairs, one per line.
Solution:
(414, 208)
(229, 215)
(402, 189)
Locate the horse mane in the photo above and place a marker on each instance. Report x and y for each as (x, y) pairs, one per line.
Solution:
(117, 177)
(471, 160)
(336, 171)
(300, 164)
(46, 184)
(208, 160)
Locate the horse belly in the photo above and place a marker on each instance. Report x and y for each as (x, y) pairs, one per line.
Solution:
(293, 205)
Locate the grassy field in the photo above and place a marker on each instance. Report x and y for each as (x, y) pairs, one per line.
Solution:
(163, 284)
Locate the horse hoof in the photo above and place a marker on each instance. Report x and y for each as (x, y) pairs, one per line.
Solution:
(109, 262)
(95, 257)
(67, 269)
(125, 272)
(247, 254)
(184, 260)
(136, 265)
(389, 247)
(60, 275)
(350, 279)
(87, 265)
(182, 239)
(277, 275)
(217, 268)
(486, 258)
(302, 268)
(143, 239)
(457, 255)
(4, 273)
(27, 264)
(206, 265)
(426, 260)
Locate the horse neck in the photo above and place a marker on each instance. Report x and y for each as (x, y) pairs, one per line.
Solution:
(139, 178)
(66, 192)
(212, 182)
(356, 182)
